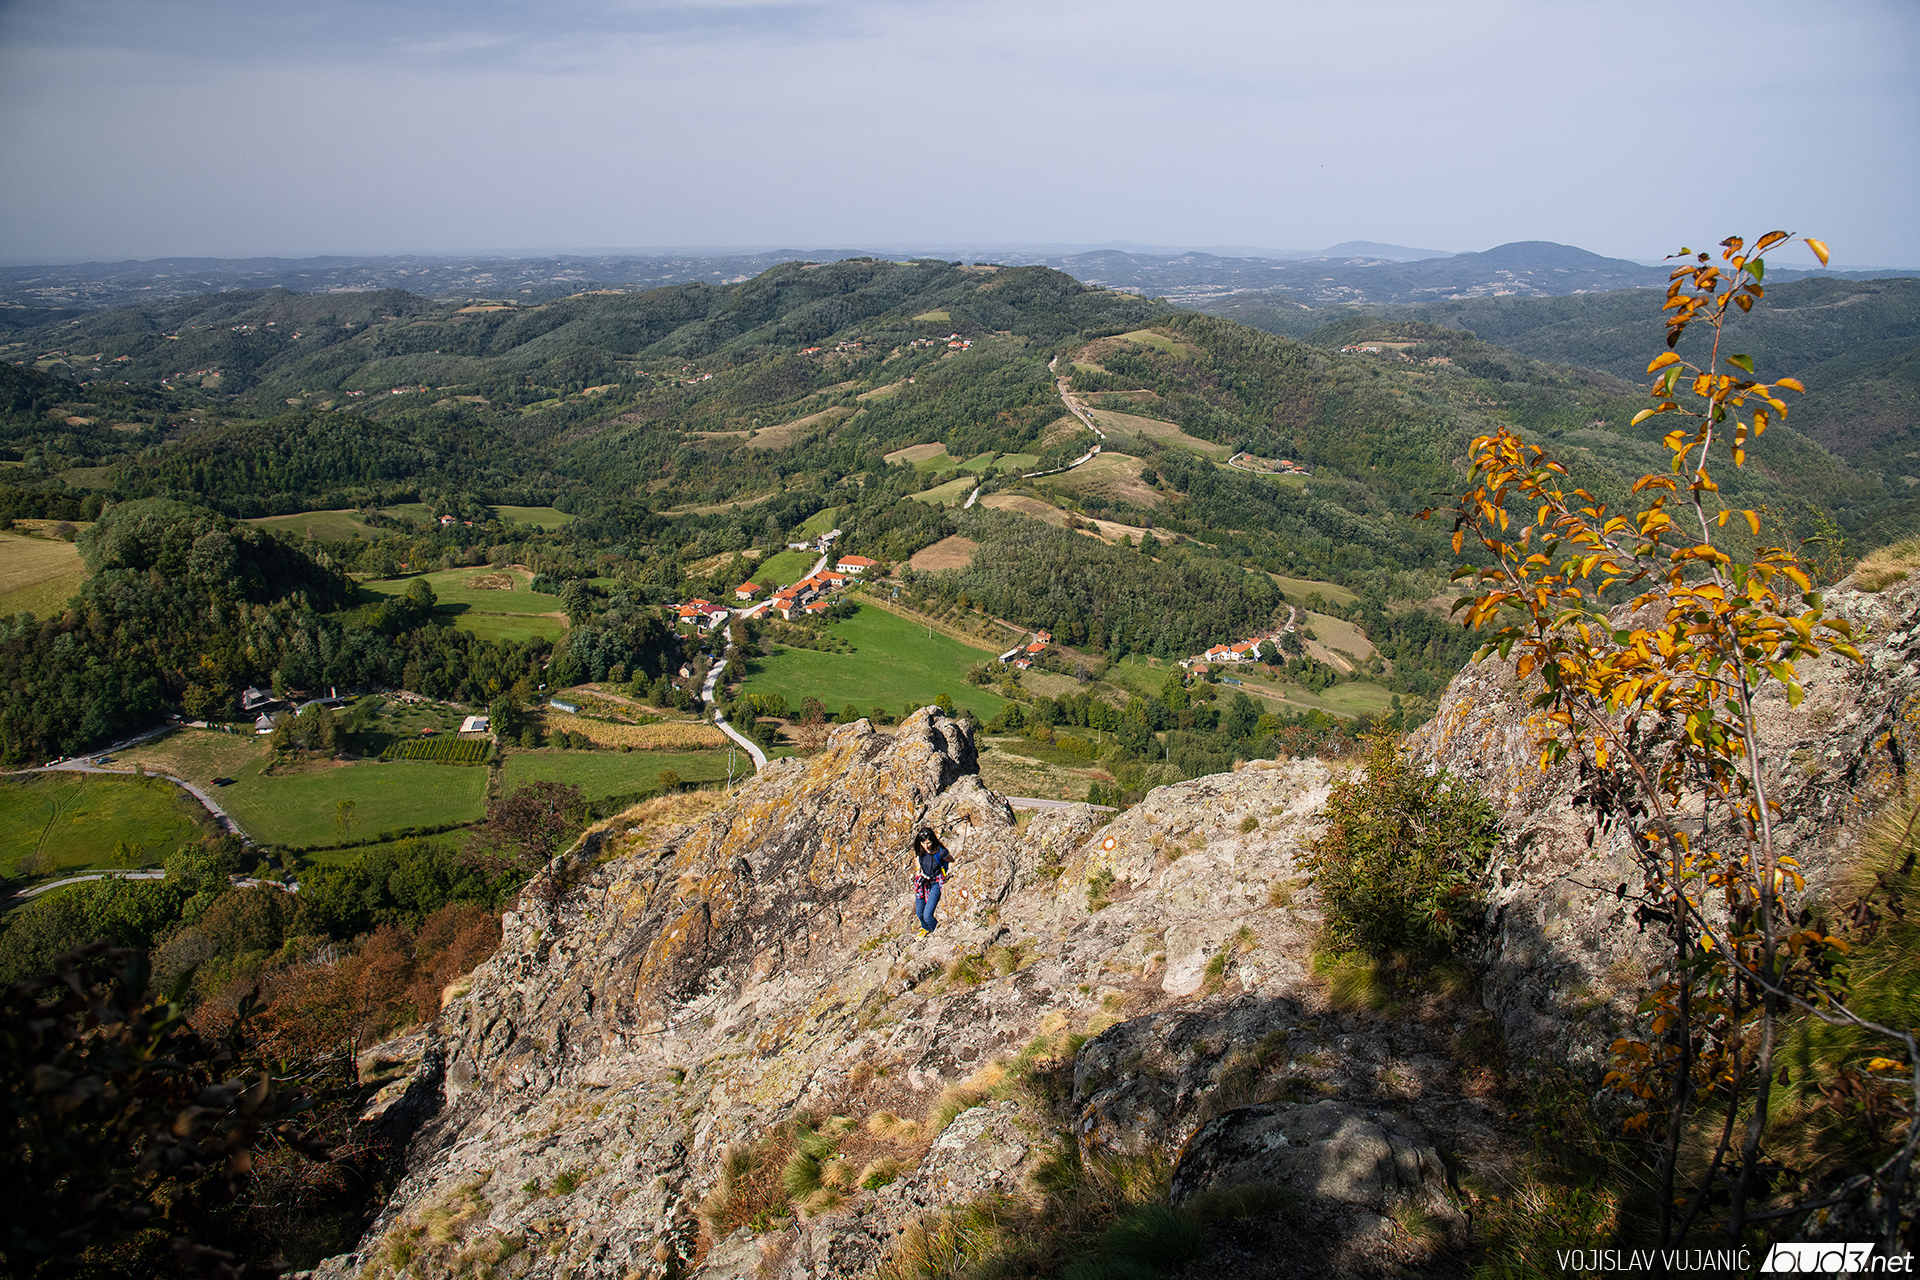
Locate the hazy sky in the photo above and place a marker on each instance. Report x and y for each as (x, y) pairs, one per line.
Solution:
(227, 128)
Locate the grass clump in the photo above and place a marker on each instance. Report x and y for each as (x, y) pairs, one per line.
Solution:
(1893, 564)
(1249, 824)
(1100, 889)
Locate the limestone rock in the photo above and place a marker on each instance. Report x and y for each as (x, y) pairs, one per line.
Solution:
(1330, 1150)
(659, 998)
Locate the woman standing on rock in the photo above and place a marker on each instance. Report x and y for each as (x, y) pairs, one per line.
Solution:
(930, 863)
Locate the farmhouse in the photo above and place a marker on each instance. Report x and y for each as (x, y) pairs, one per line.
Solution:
(473, 725)
(855, 565)
(252, 699)
(746, 591)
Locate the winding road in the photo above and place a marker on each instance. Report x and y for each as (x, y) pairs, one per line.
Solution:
(85, 764)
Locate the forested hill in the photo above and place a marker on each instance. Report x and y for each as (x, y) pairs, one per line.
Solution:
(1854, 343)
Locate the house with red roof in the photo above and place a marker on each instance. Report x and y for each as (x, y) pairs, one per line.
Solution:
(855, 565)
(746, 591)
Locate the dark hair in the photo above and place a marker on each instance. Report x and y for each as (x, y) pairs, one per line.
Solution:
(925, 834)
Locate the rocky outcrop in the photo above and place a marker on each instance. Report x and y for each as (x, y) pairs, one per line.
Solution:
(662, 997)
(1564, 959)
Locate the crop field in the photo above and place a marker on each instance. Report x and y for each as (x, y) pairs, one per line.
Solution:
(953, 491)
(1015, 463)
(37, 574)
(1298, 589)
(953, 552)
(335, 525)
(600, 774)
(298, 805)
(895, 665)
(979, 462)
(54, 823)
(438, 750)
(784, 569)
(542, 517)
(817, 523)
(670, 735)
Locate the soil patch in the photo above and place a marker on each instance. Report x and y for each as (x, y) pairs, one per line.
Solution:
(955, 552)
(491, 582)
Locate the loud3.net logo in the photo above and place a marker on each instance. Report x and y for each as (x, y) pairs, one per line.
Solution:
(1833, 1259)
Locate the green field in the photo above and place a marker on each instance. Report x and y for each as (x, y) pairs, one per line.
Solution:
(1014, 463)
(600, 774)
(895, 664)
(37, 575)
(1298, 589)
(784, 569)
(935, 317)
(335, 525)
(979, 462)
(951, 492)
(61, 822)
(488, 612)
(1148, 338)
(409, 511)
(297, 807)
(817, 523)
(542, 517)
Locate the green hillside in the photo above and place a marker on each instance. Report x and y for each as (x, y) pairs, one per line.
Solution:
(627, 451)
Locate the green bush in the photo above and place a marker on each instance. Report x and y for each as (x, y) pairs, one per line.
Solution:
(1400, 856)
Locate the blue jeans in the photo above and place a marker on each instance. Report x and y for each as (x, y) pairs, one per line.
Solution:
(924, 901)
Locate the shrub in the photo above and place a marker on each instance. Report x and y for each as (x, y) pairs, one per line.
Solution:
(1397, 864)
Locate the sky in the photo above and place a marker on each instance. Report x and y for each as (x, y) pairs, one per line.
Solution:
(236, 128)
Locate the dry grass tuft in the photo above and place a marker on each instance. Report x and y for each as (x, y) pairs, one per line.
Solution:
(1881, 569)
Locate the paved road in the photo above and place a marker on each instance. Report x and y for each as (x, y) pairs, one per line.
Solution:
(972, 497)
(238, 882)
(1035, 802)
(706, 696)
(212, 806)
(93, 875)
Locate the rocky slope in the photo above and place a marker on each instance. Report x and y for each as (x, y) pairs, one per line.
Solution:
(1564, 959)
(659, 999)
(1139, 991)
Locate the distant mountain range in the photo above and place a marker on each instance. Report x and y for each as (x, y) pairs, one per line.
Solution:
(1356, 271)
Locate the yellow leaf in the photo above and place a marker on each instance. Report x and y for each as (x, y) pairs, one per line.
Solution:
(1753, 522)
(1791, 384)
(1819, 248)
(1662, 360)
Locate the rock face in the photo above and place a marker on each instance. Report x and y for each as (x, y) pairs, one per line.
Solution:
(1564, 959)
(659, 999)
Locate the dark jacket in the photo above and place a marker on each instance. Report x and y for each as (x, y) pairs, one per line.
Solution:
(933, 862)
